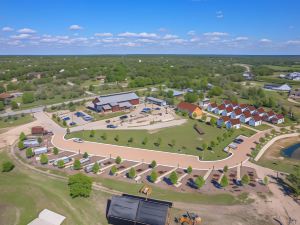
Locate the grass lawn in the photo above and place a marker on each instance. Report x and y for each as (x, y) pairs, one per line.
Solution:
(11, 122)
(187, 140)
(25, 193)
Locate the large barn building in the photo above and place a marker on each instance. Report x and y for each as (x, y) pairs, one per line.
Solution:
(115, 102)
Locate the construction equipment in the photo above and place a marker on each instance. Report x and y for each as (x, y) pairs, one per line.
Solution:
(146, 190)
(190, 219)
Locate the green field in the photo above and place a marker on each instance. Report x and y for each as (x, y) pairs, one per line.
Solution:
(11, 122)
(187, 140)
(25, 193)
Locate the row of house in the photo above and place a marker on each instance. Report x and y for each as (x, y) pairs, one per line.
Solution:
(291, 76)
(247, 114)
(278, 87)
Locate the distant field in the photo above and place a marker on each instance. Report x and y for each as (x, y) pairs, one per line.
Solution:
(187, 140)
(284, 68)
(6, 122)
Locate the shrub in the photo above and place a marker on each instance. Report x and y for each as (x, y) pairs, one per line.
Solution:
(117, 138)
(40, 140)
(173, 177)
(189, 170)
(199, 182)
(104, 136)
(96, 167)
(225, 169)
(44, 159)
(21, 145)
(153, 164)
(85, 155)
(77, 165)
(224, 181)
(118, 160)
(7, 166)
(245, 179)
(55, 151)
(132, 173)
(22, 136)
(29, 153)
(92, 133)
(266, 180)
(80, 185)
(153, 176)
(113, 170)
(60, 164)
(145, 141)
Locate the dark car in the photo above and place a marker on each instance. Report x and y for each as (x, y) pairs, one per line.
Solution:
(111, 126)
(238, 141)
(123, 117)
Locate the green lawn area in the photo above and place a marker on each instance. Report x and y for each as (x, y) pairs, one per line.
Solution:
(187, 140)
(285, 165)
(25, 193)
(11, 122)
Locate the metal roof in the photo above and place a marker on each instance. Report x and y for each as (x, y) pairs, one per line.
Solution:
(116, 98)
(155, 99)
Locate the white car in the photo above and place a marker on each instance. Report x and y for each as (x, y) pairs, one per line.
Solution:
(78, 140)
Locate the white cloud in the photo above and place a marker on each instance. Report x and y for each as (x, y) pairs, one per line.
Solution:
(293, 42)
(75, 27)
(130, 44)
(162, 29)
(241, 38)
(103, 34)
(21, 36)
(215, 34)
(191, 32)
(7, 29)
(145, 40)
(177, 41)
(219, 14)
(265, 40)
(170, 36)
(26, 31)
(141, 35)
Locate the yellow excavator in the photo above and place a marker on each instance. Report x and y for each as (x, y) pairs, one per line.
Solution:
(189, 219)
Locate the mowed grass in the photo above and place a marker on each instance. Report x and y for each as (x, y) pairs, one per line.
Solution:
(186, 139)
(15, 121)
(25, 193)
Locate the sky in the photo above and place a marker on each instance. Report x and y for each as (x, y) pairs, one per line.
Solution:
(50, 27)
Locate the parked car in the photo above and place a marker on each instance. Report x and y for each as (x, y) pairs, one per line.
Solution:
(238, 141)
(66, 118)
(72, 124)
(111, 126)
(78, 140)
(123, 117)
(107, 121)
(157, 108)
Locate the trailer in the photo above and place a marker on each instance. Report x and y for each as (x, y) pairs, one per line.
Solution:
(31, 143)
(66, 159)
(39, 151)
(84, 160)
(88, 168)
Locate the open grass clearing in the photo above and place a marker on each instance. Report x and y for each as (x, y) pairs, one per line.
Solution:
(179, 139)
(15, 120)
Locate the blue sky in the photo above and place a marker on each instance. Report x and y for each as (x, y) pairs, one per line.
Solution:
(149, 26)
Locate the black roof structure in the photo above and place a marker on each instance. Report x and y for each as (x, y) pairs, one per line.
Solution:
(127, 210)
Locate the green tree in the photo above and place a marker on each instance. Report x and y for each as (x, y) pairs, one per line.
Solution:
(158, 142)
(132, 173)
(44, 159)
(22, 136)
(224, 181)
(85, 155)
(266, 180)
(117, 138)
(29, 152)
(27, 97)
(40, 140)
(261, 140)
(213, 121)
(104, 136)
(173, 143)
(189, 170)
(145, 141)
(64, 123)
(80, 185)
(2, 106)
(191, 97)
(92, 133)
(173, 177)
(68, 130)
(113, 170)
(21, 145)
(96, 167)
(118, 160)
(153, 164)
(199, 182)
(7, 166)
(14, 105)
(55, 151)
(153, 176)
(225, 169)
(130, 140)
(60, 164)
(212, 144)
(245, 179)
(77, 165)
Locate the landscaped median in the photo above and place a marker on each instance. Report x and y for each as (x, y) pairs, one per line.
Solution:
(184, 139)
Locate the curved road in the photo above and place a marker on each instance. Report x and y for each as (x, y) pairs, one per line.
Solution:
(137, 154)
